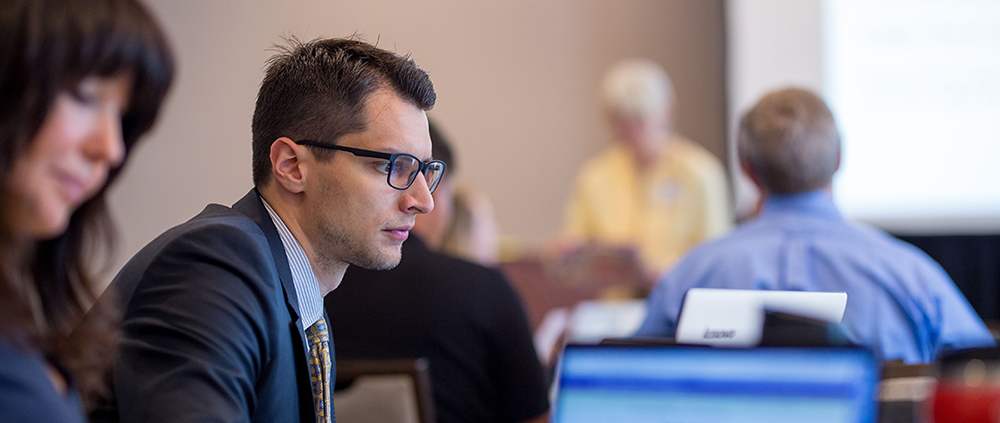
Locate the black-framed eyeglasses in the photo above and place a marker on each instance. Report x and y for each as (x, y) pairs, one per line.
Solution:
(403, 168)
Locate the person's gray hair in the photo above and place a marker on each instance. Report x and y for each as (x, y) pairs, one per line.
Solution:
(790, 140)
(637, 87)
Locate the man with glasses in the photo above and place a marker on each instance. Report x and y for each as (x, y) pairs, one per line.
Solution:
(223, 315)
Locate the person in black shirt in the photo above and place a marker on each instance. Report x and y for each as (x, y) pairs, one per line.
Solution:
(463, 317)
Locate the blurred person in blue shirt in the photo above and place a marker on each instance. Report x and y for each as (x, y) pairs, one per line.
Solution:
(900, 303)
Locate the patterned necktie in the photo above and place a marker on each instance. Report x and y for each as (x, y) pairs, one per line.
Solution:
(319, 370)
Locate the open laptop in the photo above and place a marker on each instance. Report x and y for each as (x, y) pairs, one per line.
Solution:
(735, 317)
(666, 384)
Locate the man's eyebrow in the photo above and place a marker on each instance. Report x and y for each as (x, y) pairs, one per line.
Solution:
(386, 150)
(390, 150)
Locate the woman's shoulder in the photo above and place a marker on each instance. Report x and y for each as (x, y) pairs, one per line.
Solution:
(27, 394)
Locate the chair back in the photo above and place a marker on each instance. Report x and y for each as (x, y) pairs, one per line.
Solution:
(383, 391)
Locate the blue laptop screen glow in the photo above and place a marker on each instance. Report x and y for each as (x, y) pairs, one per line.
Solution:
(706, 385)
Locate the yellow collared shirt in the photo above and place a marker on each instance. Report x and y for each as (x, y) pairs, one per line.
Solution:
(661, 212)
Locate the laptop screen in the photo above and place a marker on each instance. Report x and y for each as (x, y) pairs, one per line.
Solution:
(639, 384)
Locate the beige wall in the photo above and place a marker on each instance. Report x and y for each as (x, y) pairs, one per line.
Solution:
(772, 44)
(515, 80)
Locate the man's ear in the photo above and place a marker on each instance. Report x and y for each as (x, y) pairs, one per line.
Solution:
(289, 164)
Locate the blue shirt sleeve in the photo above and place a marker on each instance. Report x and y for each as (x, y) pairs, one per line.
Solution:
(958, 325)
(658, 323)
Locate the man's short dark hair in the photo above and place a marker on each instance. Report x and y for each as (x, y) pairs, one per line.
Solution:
(318, 90)
(791, 142)
(441, 148)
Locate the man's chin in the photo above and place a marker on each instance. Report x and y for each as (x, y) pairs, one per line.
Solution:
(382, 260)
(388, 265)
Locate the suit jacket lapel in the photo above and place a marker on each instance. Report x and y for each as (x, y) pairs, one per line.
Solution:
(252, 206)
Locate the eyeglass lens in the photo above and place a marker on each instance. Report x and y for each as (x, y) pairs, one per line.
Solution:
(405, 169)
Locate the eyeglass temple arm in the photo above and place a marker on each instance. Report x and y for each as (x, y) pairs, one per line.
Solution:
(355, 151)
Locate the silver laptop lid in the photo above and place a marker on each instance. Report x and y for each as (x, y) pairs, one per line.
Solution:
(735, 317)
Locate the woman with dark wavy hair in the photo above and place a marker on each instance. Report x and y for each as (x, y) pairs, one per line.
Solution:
(80, 82)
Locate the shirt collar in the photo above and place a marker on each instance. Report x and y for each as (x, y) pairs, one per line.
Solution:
(817, 203)
(303, 277)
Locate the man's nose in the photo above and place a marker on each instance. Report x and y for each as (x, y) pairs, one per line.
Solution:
(418, 198)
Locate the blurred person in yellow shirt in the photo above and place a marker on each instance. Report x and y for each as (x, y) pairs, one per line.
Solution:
(652, 191)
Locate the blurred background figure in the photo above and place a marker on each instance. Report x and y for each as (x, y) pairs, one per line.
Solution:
(652, 191)
(463, 317)
(463, 224)
(80, 82)
(900, 303)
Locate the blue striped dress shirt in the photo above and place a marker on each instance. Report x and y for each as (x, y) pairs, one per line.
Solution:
(306, 284)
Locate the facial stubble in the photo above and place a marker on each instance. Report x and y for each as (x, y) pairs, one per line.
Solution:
(337, 241)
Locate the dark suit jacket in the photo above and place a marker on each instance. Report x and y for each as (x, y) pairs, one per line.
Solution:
(211, 328)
